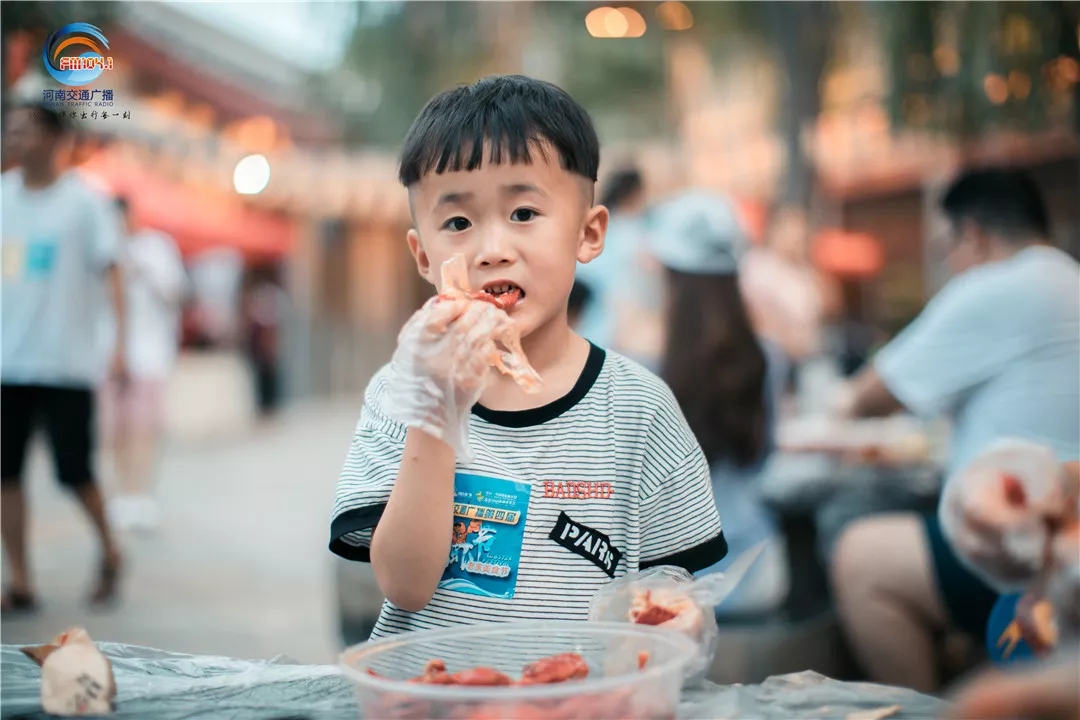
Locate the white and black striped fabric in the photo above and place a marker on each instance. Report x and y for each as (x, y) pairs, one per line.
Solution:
(614, 455)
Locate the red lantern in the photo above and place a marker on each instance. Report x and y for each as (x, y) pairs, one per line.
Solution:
(848, 254)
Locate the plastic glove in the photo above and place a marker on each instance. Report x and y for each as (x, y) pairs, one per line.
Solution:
(439, 370)
(998, 511)
(444, 356)
(1014, 517)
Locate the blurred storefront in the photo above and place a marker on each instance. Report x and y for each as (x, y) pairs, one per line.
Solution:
(231, 149)
(878, 234)
(198, 105)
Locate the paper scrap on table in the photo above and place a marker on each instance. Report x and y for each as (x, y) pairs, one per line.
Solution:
(76, 679)
(876, 714)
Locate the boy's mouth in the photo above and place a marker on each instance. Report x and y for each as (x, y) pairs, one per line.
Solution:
(507, 294)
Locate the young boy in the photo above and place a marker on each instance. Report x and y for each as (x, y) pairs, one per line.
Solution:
(595, 476)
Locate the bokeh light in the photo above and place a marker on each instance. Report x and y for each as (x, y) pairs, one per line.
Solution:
(997, 88)
(1019, 84)
(609, 22)
(252, 175)
(675, 15)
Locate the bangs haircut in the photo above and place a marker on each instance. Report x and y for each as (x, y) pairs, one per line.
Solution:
(512, 115)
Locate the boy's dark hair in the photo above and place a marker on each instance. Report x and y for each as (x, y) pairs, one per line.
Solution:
(580, 295)
(513, 114)
(122, 204)
(1005, 202)
(620, 187)
(50, 119)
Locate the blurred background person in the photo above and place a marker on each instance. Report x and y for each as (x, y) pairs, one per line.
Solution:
(726, 384)
(1042, 692)
(61, 278)
(624, 314)
(580, 298)
(134, 411)
(997, 351)
(624, 196)
(782, 290)
(264, 309)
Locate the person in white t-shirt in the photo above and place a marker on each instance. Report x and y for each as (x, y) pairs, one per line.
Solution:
(61, 280)
(998, 352)
(134, 410)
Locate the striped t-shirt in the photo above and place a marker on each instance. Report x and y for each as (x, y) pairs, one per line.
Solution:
(558, 501)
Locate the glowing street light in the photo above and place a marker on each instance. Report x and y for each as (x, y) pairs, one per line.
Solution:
(609, 22)
(252, 175)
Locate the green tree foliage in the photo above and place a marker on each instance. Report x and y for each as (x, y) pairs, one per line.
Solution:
(963, 68)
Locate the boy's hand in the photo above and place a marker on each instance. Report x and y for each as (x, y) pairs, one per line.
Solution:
(440, 368)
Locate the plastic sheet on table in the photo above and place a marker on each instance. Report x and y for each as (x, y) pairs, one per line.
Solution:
(172, 686)
(806, 695)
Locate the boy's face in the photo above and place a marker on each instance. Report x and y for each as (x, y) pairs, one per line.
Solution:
(523, 225)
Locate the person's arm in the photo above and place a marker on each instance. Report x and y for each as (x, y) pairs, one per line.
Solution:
(963, 337)
(105, 248)
(164, 272)
(868, 396)
(412, 540)
(394, 505)
(119, 306)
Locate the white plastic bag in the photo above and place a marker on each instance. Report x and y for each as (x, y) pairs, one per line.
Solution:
(671, 598)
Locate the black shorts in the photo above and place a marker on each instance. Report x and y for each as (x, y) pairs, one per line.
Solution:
(968, 600)
(67, 415)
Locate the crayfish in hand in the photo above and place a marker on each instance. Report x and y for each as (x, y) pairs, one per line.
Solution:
(508, 359)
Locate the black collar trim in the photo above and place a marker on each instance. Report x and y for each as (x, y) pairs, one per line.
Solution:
(537, 416)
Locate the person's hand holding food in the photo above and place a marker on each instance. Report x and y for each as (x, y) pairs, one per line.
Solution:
(1005, 510)
(445, 354)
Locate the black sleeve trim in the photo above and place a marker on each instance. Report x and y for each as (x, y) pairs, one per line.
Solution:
(696, 558)
(351, 521)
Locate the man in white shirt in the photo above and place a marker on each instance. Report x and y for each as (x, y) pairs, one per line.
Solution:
(60, 279)
(134, 410)
(998, 352)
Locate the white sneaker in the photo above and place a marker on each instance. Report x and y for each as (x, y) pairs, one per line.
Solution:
(147, 513)
(123, 512)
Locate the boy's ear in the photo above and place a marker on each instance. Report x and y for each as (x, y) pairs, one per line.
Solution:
(423, 263)
(593, 231)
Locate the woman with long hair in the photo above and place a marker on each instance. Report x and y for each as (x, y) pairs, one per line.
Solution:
(726, 380)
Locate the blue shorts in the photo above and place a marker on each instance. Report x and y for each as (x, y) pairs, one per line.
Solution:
(968, 600)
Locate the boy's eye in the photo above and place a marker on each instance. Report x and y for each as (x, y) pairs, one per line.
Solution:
(523, 215)
(457, 224)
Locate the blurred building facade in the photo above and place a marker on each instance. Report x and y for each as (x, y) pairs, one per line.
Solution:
(693, 93)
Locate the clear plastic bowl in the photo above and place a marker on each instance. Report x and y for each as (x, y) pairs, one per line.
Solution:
(615, 687)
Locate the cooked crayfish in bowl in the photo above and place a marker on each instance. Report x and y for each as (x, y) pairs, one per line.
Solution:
(522, 671)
